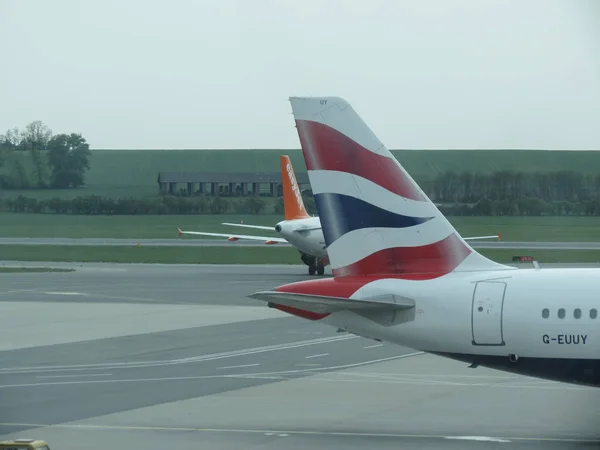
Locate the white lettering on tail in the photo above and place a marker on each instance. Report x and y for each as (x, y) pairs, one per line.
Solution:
(294, 185)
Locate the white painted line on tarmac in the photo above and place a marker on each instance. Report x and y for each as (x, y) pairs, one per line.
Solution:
(292, 432)
(77, 376)
(424, 383)
(194, 359)
(65, 293)
(237, 367)
(316, 356)
(374, 346)
(206, 377)
(434, 375)
(316, 378)
(477, 438)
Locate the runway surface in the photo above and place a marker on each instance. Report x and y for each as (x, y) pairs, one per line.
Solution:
(154, 357)
(176, 242)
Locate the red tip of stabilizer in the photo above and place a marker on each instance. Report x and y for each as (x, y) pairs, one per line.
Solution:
(179, 232)
(498, 236)
(232, 239)
(270, 242)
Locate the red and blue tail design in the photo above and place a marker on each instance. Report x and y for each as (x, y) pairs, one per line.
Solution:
(376, 220)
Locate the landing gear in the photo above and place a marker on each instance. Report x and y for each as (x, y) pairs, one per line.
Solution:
(315, 265)
(317, 268)
(320, 268)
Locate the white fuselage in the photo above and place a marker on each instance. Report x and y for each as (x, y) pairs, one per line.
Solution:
(511, 320)
(311, 242)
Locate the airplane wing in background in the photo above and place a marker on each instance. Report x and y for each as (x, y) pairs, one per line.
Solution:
(261, 227)
(495, 236)
(299, 230)
(243, 225)
(235, 237)
(273, 240)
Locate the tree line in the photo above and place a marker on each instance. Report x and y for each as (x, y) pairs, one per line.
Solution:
(468, 187)
(57, 161)
(97, 205)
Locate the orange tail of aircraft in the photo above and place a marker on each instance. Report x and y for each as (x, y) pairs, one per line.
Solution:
(293, 204)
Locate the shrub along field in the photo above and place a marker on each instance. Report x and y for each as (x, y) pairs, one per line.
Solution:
(133, 173)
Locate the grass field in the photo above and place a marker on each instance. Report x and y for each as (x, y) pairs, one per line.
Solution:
(134, 172)
(227, 255)
(11, 269)
(585, 229)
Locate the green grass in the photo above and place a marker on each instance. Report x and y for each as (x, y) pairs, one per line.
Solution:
(586, 229)
(134, 172)
(229, 255)
(531, 229)
(5, 269)
(543, 256)
(130, 227)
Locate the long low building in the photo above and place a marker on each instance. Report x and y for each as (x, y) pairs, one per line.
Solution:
(225, 183)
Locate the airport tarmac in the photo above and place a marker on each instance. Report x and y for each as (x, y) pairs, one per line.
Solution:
(177, 242)
(168, 356)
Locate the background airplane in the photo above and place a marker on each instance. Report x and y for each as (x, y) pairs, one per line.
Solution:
(405, 275)
(298, 228)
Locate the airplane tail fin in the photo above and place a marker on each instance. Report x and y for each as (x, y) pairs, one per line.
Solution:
(376, 220)
(292, 197)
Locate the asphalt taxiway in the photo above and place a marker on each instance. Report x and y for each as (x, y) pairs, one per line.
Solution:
(165, 356)
(176, 242)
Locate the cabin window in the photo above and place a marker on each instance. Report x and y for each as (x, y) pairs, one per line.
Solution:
(561, 313)
(577, 313)
(593, 313)
(545, 313)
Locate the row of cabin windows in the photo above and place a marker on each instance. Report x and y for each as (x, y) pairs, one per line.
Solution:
(576, 313)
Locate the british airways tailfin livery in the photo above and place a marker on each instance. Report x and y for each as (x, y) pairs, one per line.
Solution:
(375, 218)
(403, 274)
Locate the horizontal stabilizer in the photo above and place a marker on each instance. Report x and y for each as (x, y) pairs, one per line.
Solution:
(243, 225)
(235, 236)
(325, 305)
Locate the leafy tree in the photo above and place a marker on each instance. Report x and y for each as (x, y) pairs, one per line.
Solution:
(10, 143)
(35, 138)
(11, 140)
(68, 157)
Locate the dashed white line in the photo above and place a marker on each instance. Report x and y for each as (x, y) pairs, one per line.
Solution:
(477, 438)
(207, 377)
(316, 356)
(195, 359)
(65, 293)
(272, 432)
(78, 376)
(373, 346)
(237, 367)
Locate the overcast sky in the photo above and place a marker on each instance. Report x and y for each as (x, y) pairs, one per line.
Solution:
(218, 73)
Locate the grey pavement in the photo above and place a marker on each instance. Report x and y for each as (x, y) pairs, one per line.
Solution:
(177, 242)
(163, 356)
